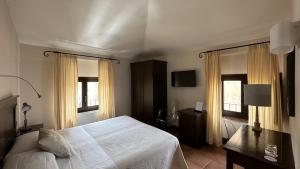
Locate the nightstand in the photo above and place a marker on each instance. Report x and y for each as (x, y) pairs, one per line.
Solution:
(35, 127)
(192, 127)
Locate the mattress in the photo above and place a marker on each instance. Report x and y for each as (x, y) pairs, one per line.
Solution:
(121, 143)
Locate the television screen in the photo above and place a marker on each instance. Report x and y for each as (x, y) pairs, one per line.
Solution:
(184, 78)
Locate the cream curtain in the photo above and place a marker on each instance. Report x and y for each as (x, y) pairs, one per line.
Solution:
(65, 90)
(106, 90)
(213, 98)
(263, 68)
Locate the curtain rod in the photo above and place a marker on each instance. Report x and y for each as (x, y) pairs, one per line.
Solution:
(233, 47)
(46, 53)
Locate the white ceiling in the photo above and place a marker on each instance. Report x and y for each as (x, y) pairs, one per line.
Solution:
(176, 25)
(127, 27)
(93, 26)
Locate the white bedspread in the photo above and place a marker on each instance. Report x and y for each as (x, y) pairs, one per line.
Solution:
(121, 143)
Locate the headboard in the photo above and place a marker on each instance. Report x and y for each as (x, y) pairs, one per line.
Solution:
(7, 125)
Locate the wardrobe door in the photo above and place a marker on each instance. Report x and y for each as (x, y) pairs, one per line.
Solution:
(160, 89)
(137, 88)
(148, 92)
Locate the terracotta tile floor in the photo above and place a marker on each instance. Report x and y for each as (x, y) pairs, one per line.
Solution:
(205, 158)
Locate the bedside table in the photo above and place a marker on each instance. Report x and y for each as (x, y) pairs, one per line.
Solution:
(35, 127)
(192, 127)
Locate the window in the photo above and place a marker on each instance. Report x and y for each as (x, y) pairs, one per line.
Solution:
(87, 99)
(233, 96)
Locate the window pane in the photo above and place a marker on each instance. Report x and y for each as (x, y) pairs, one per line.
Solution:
(79, 95)
(92, 94)
(232, 95)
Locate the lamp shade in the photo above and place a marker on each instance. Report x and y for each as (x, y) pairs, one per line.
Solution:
(257, 95)
(282, 38)
(26, 107)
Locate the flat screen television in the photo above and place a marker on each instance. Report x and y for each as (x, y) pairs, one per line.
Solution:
(184, 78)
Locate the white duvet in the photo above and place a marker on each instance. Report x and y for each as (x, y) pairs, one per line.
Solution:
(121, 143)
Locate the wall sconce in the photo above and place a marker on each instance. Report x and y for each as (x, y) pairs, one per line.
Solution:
(26, 81)
(283, 37)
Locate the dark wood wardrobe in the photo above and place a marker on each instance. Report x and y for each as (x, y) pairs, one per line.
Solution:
(148, 90)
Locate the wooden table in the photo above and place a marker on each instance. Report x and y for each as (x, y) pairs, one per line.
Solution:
(247, 148)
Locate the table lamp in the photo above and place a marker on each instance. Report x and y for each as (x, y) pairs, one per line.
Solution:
(25, 108)
(258, 95)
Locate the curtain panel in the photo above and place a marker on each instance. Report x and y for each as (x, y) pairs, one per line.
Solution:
(263, 68)
(213, 98)
(106, 90)
(65, 79)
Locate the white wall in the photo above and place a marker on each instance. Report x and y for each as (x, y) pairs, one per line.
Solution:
(234, 61)
(9, 57)
(295, 121)
(123, 88)
(87, 68)
(39, 71)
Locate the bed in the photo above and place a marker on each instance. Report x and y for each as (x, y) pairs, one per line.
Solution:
(118, 143)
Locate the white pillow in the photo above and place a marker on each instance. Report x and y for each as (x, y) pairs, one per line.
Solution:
(26, 142)
(31, 160)
(52, 141)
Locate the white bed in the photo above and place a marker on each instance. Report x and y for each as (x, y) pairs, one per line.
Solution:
(121, 143)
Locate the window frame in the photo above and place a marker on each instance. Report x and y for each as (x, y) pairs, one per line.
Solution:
(244, 108)
(84, 81)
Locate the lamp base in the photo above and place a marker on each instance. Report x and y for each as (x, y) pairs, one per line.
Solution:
(256, 127)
